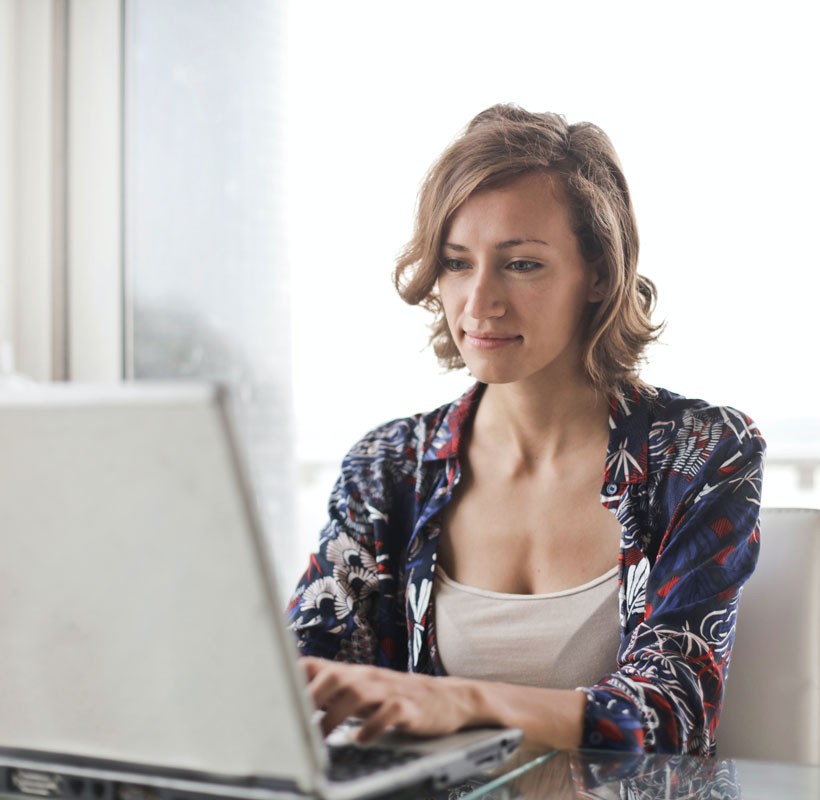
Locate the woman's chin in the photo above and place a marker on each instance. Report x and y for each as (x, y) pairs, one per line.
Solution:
(494, 375)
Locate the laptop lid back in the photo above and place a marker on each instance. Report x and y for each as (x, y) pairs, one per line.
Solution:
(138, 620)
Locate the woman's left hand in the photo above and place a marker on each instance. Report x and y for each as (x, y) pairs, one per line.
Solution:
(385, 699)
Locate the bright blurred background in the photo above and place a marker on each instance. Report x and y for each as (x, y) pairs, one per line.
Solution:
(261, 177)
(708, 107)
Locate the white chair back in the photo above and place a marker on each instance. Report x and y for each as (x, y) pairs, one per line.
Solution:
(771, 709)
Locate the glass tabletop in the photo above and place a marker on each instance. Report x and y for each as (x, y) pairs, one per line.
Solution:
(591, 775)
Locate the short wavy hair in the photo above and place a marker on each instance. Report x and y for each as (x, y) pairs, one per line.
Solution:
(500, 144)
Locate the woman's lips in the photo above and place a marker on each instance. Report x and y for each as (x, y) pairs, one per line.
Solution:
(485, 341)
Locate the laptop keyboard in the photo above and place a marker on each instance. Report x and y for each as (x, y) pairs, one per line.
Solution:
(349, 761)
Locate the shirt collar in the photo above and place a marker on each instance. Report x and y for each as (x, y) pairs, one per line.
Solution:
(627, 454)
(628, 451)
(446, 439)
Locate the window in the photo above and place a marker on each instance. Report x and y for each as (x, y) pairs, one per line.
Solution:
(206, 280)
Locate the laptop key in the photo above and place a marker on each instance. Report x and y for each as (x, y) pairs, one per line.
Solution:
(349, 761)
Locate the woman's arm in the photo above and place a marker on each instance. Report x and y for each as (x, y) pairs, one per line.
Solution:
(682, 596)
(344, 606)
(432, 706)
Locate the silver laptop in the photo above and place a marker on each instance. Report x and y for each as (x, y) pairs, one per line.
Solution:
(143, 653)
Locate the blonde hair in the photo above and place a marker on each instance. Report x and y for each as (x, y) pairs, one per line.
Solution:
(500, 144)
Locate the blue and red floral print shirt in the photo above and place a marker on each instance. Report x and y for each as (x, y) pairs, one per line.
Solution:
(683, 479)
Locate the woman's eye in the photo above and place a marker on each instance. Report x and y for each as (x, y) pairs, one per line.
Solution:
(454, 264)
(523, 266)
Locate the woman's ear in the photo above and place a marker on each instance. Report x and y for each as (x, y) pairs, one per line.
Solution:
(599, 284)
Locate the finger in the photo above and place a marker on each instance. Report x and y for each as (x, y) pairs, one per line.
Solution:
(397, 712)
(345, 706)
(335, 678)
(326, 684)
(342, 693)
(312, 666)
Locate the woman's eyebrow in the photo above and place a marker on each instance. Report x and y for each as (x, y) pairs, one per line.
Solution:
(505, 245)
(515, 242)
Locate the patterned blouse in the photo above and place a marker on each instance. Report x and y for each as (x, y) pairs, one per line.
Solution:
(682, 477)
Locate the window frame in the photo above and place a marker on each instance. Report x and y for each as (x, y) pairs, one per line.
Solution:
(61, 171)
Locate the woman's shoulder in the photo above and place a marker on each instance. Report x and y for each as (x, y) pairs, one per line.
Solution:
(668, 408)
(689, 431)
(429, 434)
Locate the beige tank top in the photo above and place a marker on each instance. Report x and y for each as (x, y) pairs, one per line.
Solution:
(560, 640)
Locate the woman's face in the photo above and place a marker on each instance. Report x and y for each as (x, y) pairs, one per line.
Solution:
(513, 283)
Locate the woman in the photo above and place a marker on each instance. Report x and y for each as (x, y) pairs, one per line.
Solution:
(561, 525)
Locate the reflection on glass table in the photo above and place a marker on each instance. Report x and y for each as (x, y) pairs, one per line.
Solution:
(610, 776)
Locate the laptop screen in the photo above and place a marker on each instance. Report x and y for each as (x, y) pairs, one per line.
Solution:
(138, 621)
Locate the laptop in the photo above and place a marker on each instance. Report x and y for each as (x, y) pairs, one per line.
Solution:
(143, 652)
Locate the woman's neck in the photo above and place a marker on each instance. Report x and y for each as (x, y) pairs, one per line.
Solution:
(534, 422)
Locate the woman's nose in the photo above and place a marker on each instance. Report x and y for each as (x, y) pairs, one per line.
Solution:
(485, 298)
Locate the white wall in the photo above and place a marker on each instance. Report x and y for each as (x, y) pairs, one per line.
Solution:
(708, 104)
